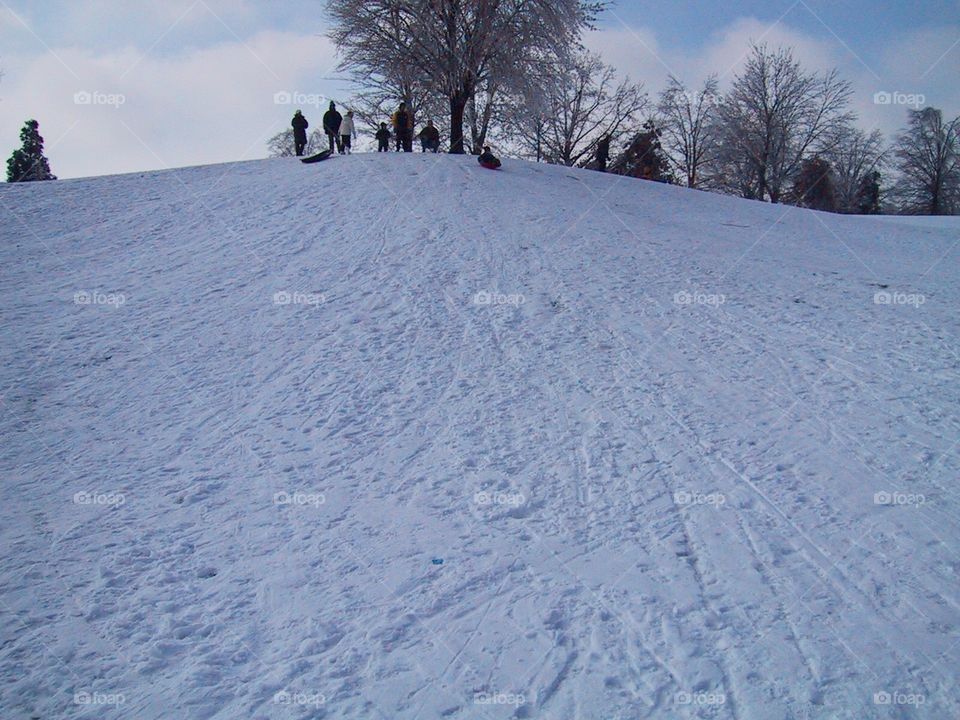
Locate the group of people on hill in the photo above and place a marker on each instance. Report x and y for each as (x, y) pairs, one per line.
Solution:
(341, 129)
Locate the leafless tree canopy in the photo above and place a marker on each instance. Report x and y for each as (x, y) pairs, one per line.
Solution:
(853, 156)
(776, 114)
(563, 117)
(453, 46)
(516, 70)
(689, 130)
(282, 144)
(928, 154)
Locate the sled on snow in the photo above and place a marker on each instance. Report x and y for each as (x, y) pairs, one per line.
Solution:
(318, 157)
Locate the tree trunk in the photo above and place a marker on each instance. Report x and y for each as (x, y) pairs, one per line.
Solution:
(935, 200)
(458, 102)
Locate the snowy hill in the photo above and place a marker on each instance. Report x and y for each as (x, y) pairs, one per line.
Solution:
(397, 437)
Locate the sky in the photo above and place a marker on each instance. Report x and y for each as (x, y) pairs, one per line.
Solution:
(134, 85)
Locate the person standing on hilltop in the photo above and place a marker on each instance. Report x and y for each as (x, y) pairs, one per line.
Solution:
(403, 122)
(603, 153)
(331, 125)
(347, 131)
(430, 138)
(300, 126)
(383, 138)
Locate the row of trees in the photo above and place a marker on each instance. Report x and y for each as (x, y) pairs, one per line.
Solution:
(515, 69)
(786, 135)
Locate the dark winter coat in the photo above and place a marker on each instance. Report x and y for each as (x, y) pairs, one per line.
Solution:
(430, 134)
(402, 121)
(331, 122)
(300, 126)
(603, 149)
(383, 135)
(488, 159)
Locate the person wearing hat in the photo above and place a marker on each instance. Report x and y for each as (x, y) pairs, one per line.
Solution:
(430, 138)
(488, 160)
(300, 126)
(383, 138)
(347, 131)
(331, 125)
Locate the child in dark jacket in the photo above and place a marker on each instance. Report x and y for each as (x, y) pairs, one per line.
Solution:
(488, 160)
(383, 137)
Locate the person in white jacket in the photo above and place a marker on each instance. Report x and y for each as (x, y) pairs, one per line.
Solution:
(347, 131)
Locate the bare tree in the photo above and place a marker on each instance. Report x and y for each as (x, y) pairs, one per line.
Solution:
(928, 153)
(689, 133)
(483, 110)
(453, 45)
(854, 156)
(282, 144)
(571, 111)
(376, 103)
(776, 115)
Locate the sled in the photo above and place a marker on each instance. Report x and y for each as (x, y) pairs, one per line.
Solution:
(491, 166)
(318, 157)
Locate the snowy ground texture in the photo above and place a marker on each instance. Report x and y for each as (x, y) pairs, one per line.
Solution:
(398, 437)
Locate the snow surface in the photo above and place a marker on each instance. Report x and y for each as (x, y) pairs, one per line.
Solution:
(540, 443)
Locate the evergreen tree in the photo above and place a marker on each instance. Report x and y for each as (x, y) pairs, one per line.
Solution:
(868, 194)
(813, 187)
(644, 156)
(28, 163)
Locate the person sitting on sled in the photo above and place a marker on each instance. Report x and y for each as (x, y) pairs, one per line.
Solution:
(488, 160)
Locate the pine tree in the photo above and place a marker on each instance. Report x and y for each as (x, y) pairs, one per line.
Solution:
(868, 194)
(813, 187)
(28, 163)
(644, 156)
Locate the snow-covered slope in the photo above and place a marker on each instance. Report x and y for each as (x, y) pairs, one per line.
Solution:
(397, 437)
